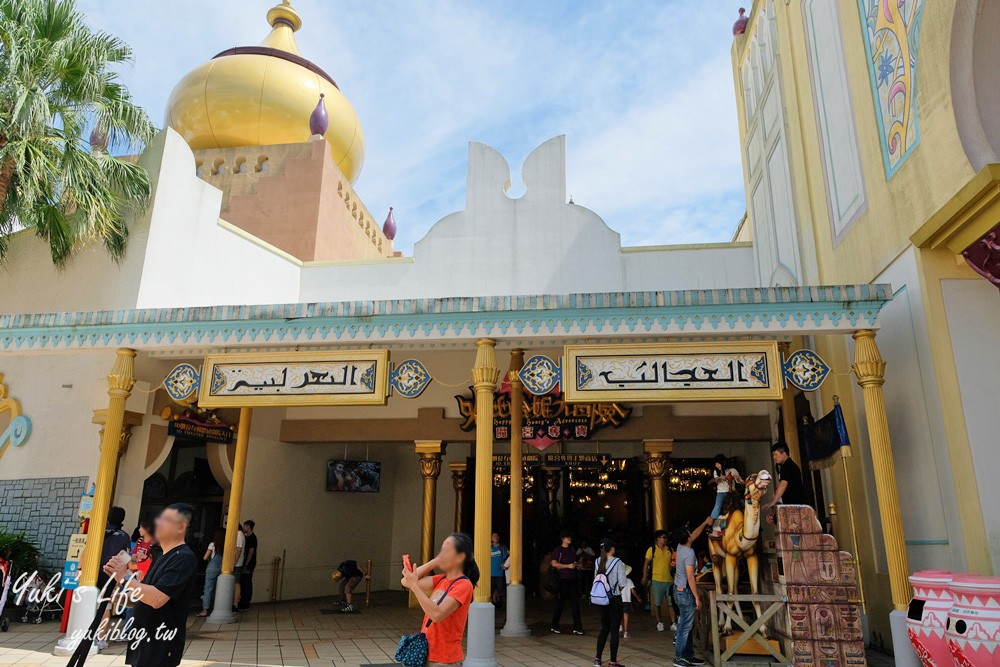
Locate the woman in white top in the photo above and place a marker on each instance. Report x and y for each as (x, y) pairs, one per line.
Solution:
(611, 613)
(725, 479)
(213, 554)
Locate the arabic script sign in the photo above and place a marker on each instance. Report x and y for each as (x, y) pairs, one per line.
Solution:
(673, 372)
(295, 378)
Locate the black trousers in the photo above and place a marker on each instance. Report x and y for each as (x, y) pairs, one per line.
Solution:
(569, 590)
(246, 588)
(611, 619)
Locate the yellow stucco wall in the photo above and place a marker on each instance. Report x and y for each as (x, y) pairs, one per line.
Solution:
(894, 210)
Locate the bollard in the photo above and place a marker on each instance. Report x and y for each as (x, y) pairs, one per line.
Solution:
(368, 584)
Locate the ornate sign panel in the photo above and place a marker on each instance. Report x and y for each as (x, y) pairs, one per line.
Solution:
(409, 379)
(547, 419)
(182, 383)
(295, 378)
(805, 369)
(729, 371)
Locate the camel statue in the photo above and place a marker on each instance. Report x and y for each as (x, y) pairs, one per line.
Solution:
(739, 540)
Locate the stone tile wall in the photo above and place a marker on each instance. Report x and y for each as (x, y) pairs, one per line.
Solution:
(44, 510)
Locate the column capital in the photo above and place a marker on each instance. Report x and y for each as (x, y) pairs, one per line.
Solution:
(485, 372)
(658, 448)
(659, 465)
(130, 419)
(122, 376)
(868, 366)
(430, 466)
(429, 446)
(516, 364)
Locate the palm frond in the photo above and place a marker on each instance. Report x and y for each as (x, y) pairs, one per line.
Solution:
(58, 78)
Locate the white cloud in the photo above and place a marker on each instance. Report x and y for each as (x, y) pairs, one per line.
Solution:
(643, 90)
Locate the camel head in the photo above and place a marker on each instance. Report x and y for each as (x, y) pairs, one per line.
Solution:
(756, 486)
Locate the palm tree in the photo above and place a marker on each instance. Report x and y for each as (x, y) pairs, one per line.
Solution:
(57, 79)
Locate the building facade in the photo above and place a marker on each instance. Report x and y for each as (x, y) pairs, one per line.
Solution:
(869, 151)
(860, 198)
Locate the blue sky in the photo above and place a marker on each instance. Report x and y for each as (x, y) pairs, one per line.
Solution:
(642, 89)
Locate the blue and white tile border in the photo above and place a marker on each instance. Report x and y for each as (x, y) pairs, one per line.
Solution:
(614, 314)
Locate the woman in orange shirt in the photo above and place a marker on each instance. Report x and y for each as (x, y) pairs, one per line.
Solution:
(445, 598)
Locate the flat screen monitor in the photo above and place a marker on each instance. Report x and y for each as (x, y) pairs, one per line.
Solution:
(354, 476)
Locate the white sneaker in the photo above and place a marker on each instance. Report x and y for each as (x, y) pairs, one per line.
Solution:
(660, 627)
(673, 627)
(101, 645)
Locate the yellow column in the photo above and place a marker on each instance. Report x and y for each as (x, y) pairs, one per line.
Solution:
(236, 491)
(869, 367)
(458, 483)
(430, 469)
(484, 376)
(788, 421)
(658, 458)
(120, 383)
(516, 463)
(130, 420)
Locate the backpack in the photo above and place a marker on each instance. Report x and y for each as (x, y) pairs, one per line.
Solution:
(600, 591)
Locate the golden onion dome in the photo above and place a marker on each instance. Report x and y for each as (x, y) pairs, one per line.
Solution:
(264, 95)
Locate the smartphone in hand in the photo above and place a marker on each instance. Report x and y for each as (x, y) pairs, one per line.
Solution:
(124, 556)
(407, 563)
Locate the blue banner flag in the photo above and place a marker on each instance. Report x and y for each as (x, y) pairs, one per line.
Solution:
(822, 439)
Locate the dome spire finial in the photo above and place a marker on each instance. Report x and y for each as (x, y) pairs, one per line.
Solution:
(284, 14)
(389, 227)
(319, 121)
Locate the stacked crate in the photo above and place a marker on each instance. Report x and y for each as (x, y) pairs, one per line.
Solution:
(824, 619)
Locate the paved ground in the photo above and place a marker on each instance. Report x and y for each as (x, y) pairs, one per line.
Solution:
(301, 634)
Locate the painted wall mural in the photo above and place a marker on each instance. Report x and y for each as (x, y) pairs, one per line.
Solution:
(892, 35)
(15, 428)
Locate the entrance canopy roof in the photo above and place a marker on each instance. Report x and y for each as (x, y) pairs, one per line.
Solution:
(458, 322)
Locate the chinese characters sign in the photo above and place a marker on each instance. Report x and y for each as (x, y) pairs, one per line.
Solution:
(673, 372)
(193, 430)
(295, 378)
(548, 419)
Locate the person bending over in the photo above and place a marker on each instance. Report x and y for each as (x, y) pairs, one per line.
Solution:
(351, 575)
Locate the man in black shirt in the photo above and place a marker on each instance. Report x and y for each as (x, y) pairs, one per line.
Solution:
(249, 563)
(115, 541)
(163, 599)
(789, 489)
